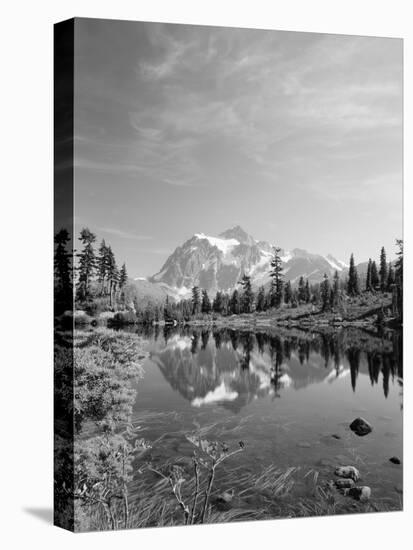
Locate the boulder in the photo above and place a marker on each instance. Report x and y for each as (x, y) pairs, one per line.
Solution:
(360, 426)
(362, 494)
(348, 472)
(395, 460)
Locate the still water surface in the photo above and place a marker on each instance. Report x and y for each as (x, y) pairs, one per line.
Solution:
(289, 396)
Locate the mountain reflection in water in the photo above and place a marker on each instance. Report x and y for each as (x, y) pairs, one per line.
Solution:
(233, 367)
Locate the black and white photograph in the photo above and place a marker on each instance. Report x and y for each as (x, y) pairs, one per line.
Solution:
(236, 263)
(206, 274)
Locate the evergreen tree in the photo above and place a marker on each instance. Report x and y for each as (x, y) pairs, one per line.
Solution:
(217, 303)
(63, 272)
(123, 276)
(225, 303)
(247, 295)
(301, 290)
(112, 275)
(390, 278)
(235, 303)
(87, 263)
(353, 283)
(335, 296)
(368, 276)
(196, 301)
(307, 292)
(167, 310)
(288, 293)
(374, 276)
(261, 299)
(325, 293)
(123, 279)
(206, 303)
(398, 277)
(277, 278)
(383, 270)
(102, 265)
(398, 272)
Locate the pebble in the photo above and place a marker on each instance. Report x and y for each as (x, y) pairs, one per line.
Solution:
(344, 483)
(348, 472)
(362, 494)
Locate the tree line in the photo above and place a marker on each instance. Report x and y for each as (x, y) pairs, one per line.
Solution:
(327, 294)
(95, 274)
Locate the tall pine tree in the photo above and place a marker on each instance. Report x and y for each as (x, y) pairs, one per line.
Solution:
(390, 278)
(63, 272)
(217, 304)
(87, 263)
(206, 303)
(235, 303)
(247, 295)
(368, 276)
(383, 270)
(325, 293)
(102, 266)
(374, 275)
(276, 274)
(288, 293)
(335, 297)
(196, 301)
(352, 283)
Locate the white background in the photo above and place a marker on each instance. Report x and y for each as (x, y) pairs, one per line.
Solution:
(26, 269)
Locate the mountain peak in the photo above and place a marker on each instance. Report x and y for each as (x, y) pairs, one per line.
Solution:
(238, 233)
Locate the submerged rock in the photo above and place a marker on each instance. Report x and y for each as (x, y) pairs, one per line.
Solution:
(360, 426)
(348, 472)
(395, 460)
(345, 483)
(362, 494)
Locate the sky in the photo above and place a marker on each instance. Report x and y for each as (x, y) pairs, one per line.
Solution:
(182, 129)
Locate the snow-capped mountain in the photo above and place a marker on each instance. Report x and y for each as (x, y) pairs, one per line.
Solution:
(218, 263)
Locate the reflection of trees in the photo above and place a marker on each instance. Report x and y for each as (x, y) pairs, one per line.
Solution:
(247, 341)
(353, 357)
(325, 348)
(217, 334)
(283, 351)
(194, 343)
(234, 336)
(204, 338)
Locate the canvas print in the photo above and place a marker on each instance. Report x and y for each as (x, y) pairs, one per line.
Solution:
(228, 274)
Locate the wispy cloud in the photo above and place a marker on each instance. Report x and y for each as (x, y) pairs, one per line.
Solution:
(123, 234)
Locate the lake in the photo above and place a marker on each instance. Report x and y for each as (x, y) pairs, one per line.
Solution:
(289, 396)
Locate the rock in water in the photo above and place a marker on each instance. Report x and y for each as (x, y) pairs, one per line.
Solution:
(348, 472)
(362, 494)
(360, 426)
(344, 483)
(395, 460)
